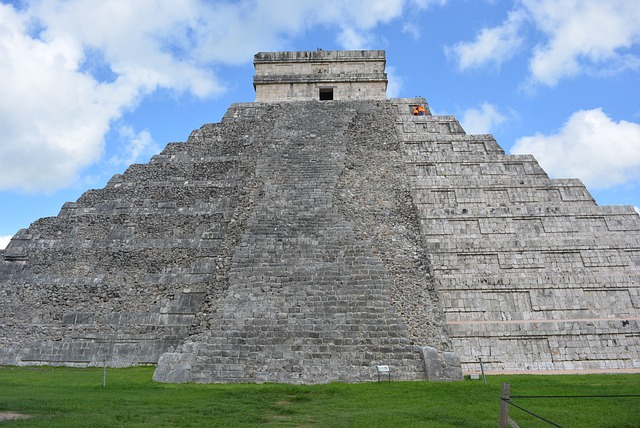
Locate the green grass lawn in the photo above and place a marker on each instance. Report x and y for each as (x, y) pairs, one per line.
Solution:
(64, 397)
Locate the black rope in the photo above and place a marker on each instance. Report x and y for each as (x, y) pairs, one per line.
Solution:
(558, 396)
(532, 414)
(575, 396)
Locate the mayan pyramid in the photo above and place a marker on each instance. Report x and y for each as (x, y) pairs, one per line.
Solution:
(319, 232)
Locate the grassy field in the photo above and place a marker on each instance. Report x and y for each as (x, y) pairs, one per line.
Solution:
(64, 397)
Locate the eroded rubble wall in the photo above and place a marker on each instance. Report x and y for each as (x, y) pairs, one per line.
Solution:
(123, 273)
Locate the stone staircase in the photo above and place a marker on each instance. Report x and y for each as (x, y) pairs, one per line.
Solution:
(308, 300)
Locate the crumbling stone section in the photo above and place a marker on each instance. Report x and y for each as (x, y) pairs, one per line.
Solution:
(532, 274)
(309, 298)
(126, 272)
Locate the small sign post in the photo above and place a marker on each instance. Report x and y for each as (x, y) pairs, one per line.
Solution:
(384, 369)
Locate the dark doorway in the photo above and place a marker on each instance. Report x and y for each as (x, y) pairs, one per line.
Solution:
(326, 94)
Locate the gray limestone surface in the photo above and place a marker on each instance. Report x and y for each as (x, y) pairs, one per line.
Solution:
(532, 274)
(311, 299)
(311, 241)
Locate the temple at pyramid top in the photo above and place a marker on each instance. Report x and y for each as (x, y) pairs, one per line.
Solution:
(320, 75)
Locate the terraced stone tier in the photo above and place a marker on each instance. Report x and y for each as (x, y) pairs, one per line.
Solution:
(533, 275)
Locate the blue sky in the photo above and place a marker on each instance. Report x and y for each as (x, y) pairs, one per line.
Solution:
(88, 87)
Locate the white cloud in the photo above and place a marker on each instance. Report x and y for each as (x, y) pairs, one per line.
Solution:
(572, 37)
(354, 39)
(54, 115)
(424, 4)
(410, 27)
(491, 46)
(581, 35)
(233, 32)
(590, 146)
(4, 241)
(412, 30)
(482, 120)
(136, 145)
(70, 68)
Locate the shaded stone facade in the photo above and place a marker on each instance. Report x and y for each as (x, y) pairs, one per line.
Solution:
(310, 241)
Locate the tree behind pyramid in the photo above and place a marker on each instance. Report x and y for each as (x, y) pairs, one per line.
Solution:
(318, 233)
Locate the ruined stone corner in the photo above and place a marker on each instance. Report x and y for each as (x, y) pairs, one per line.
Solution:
(441, 365)
(174, 367)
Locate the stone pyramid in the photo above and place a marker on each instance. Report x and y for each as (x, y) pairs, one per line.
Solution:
(318, 233)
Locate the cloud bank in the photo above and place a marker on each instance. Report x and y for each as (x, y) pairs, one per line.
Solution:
(482, 120)
(491, 45)
(591, 146)
(71, 68)
(563, 40)
(578, 36)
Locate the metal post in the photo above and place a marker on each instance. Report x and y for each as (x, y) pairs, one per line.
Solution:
(104, 373)
(484, 379)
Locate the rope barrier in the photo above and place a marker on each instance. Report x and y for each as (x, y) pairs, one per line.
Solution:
(575, 396)
(507, 397)
(532, 414)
